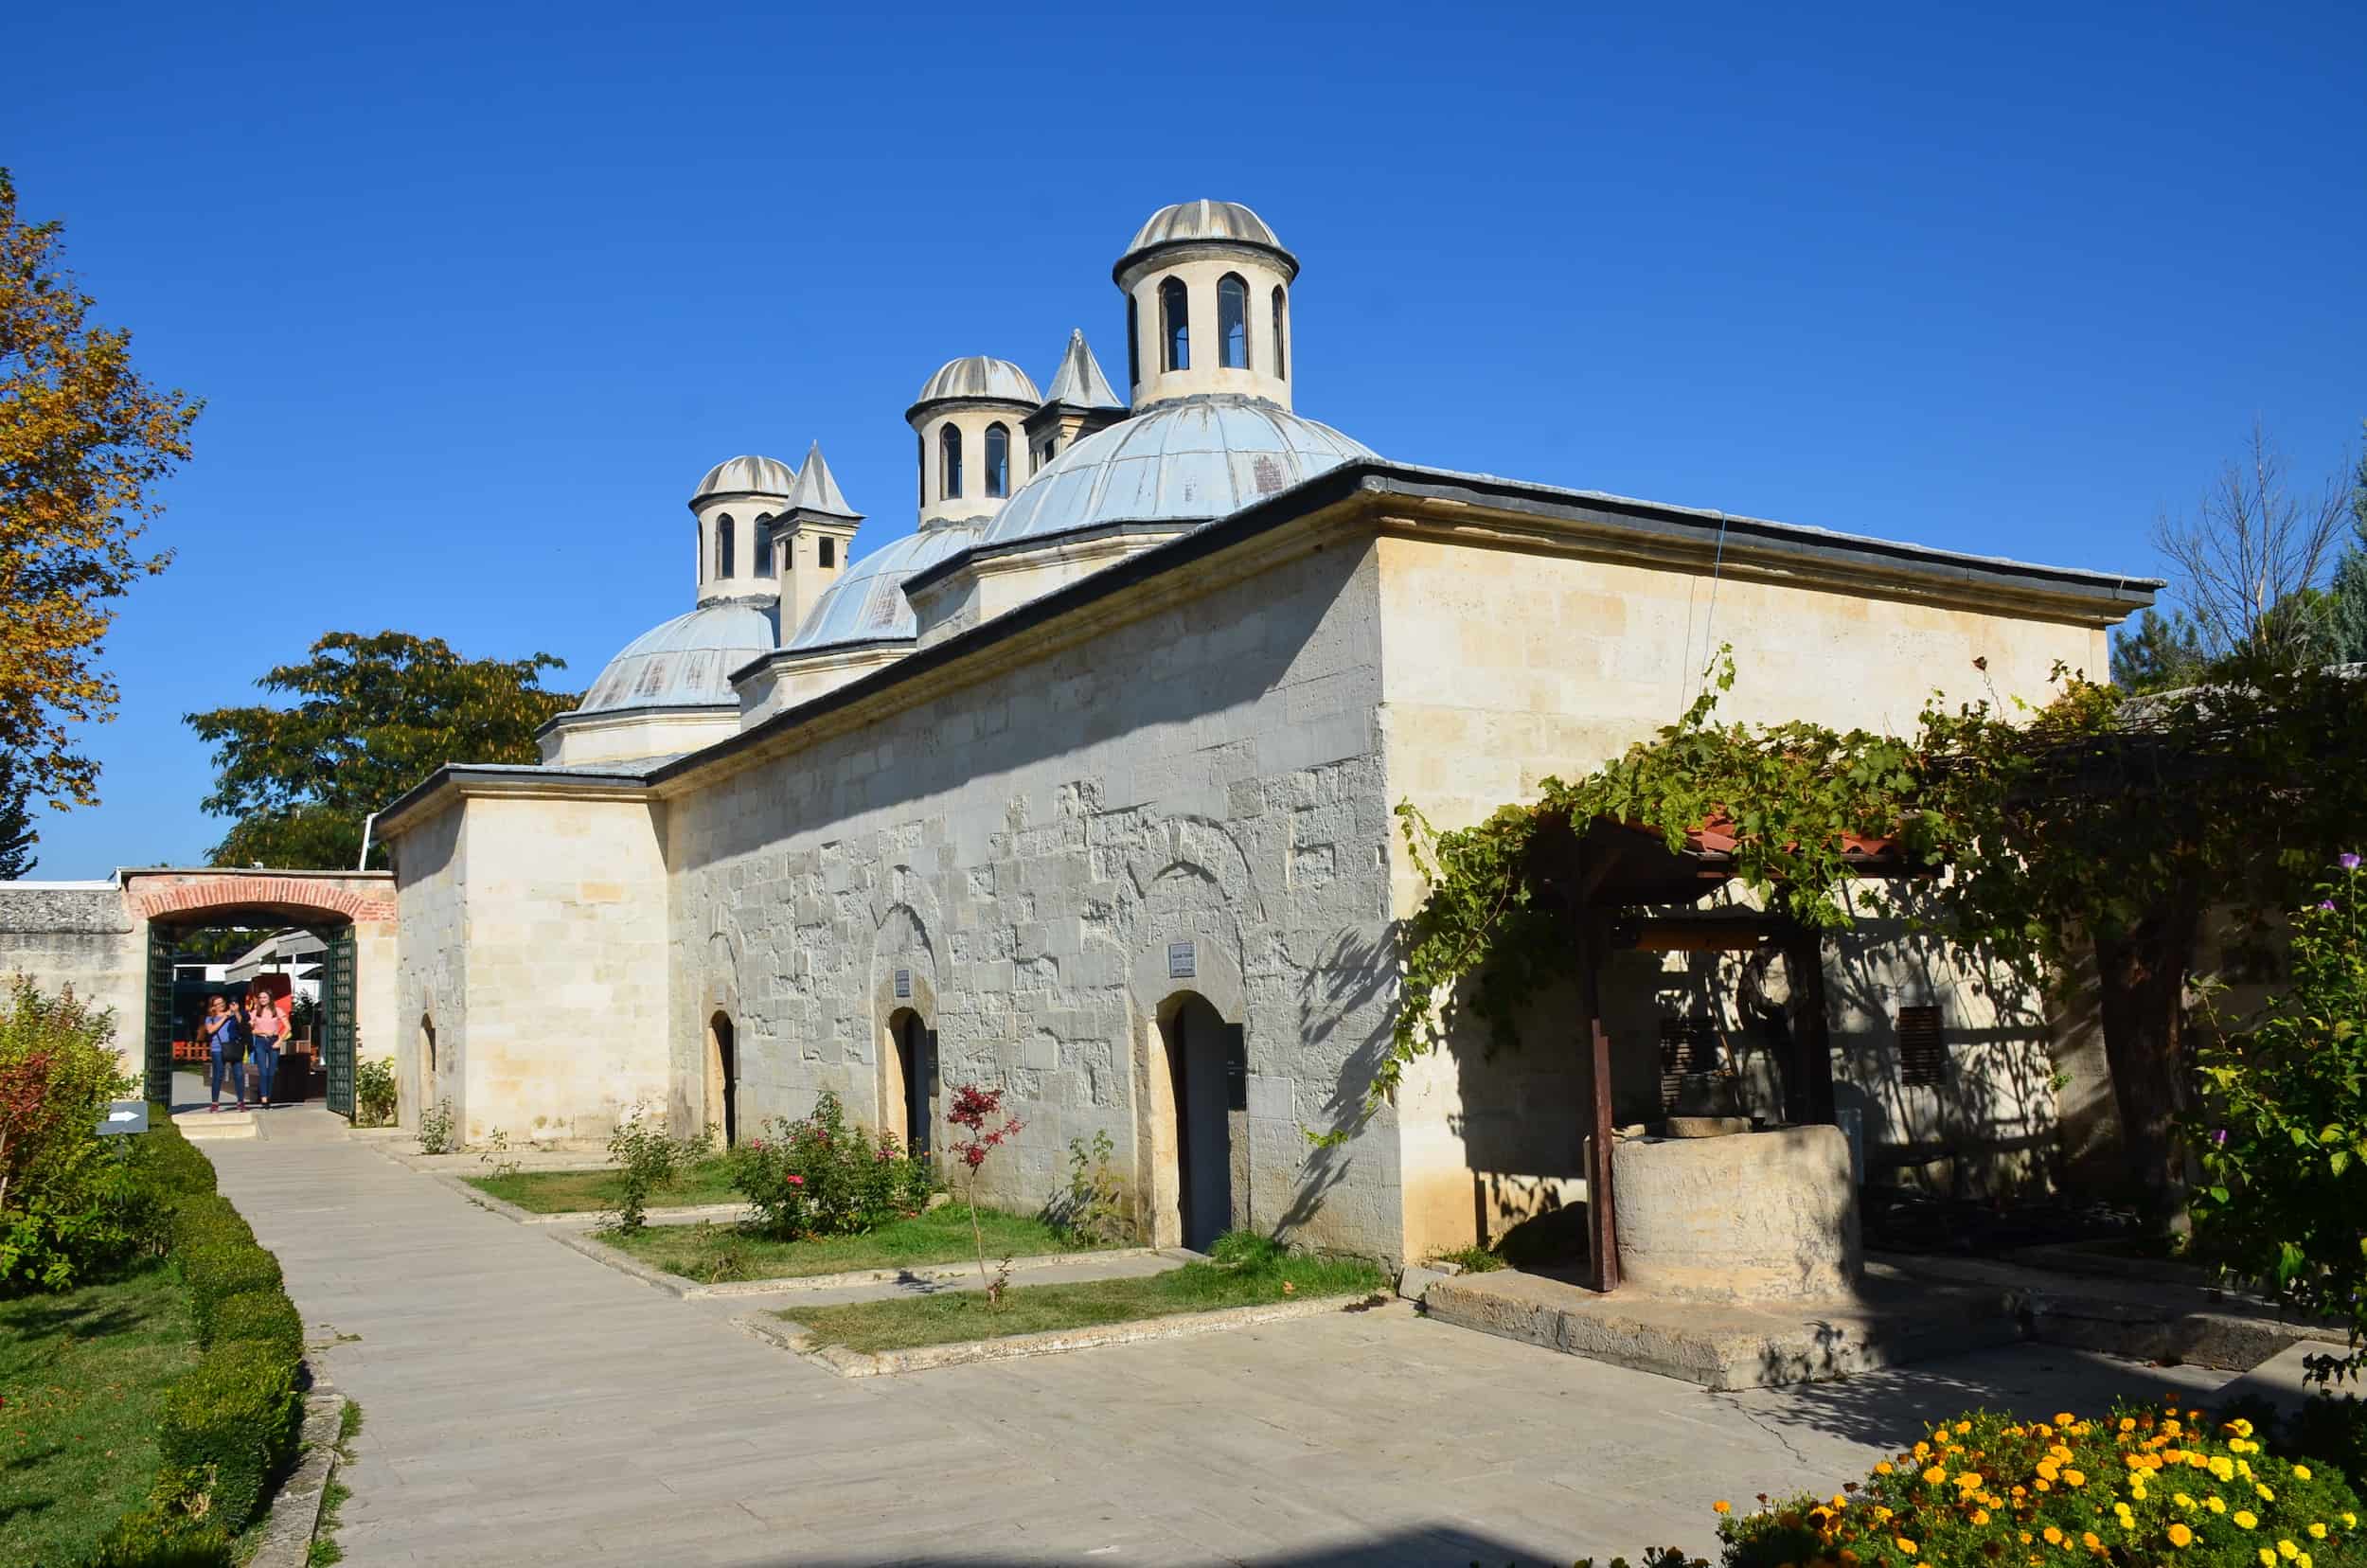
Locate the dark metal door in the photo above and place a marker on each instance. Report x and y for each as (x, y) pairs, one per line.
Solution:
(337, 1042)
(157, 1056)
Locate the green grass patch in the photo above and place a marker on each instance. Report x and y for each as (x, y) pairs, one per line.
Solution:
(1473, 1259)
(719, 1255)
(952, 1316)
(579, 1191)
(84, 1375)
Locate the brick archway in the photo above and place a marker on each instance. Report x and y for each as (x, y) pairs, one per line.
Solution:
(165, 895)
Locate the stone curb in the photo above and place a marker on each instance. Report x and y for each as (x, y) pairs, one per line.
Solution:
(691, 1290)
(287, 1531)
(856, 1364)
(511, 1211)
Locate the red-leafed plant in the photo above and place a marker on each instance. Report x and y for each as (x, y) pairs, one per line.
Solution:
(978, 1110)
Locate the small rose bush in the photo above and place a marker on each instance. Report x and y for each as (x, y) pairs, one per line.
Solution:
(2146, 1485)
(824, 1175)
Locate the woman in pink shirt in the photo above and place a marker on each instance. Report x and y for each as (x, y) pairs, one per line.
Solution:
(269, 1029)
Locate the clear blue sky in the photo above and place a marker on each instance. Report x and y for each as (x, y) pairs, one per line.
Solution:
(476, 294)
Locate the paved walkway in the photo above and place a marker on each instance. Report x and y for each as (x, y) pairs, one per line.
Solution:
(526, 1406)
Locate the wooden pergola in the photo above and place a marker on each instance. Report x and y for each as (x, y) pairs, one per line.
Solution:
(1616, 880)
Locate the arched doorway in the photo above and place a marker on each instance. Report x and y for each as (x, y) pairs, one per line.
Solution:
(1204, 1063)
(909, 1090)
(722, 1079)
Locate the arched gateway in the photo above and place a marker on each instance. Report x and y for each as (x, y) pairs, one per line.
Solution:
(113, 942)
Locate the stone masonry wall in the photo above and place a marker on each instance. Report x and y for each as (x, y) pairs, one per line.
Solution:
(83, 938)
(1504, 666)
(1028, 850)
(432, 965)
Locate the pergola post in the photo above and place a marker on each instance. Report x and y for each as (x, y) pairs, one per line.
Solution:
(1602, 1239)
(1811, 1030)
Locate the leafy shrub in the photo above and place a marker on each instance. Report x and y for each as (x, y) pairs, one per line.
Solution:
(1472, 1259)
(2283, 1136)
(167, 1161)
(2145, 1484)
(208, 1220)
(374, 1092)
(219, 1270)
(1098, 1208)
(823, 1175)
(263, 1317)
(69, 1206)
(437, 1134)
(233, 1419)
(175, 1528)
(646, 1158)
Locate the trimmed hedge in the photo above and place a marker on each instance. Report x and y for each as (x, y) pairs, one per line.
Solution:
(236, 1417)
(232, 1423)
(260, 1317)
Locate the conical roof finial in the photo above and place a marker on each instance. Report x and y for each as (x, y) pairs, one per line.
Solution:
(1079, 383)
(816, 490)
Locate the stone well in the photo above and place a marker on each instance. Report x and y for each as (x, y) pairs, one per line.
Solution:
(1754, 1217)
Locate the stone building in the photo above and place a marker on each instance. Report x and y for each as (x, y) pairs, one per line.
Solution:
(1084, 788)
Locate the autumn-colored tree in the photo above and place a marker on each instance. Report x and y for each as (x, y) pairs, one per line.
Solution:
(83, 442)
(372, 716)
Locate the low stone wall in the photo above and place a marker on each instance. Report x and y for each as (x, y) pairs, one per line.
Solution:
(1753, 1217)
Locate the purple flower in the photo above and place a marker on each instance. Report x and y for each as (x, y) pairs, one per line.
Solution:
(2326, 904)
(2220, 1137)
(2348, 861)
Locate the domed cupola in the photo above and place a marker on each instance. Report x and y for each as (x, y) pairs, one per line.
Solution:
(1207, 291)
(736, 504)
(969, 418)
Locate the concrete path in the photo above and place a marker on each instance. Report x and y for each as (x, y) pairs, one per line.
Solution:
(527, 1405)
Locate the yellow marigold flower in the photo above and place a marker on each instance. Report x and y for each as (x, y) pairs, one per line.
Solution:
(1923, 1450)
(1964, 1426)
(1979, 1516)
(2302, 1562)
(2240, 1427)
(2300, 1473)
(1906, 1545)
(2054, 1536)
(2044, 1485)
(1934, 1476)
(2181, 1500)
(2266, 1495)
(2316, 1532)
(2268, 1559)
(2221, 1469)
(2074, 1478)
(2088, 1539)
(2064, 1417)
(1967, 1481)
(2129, 1423)
(2246, 1518)
(2181, 1536)
(1883, 1468)
(2287, 1550)
(2350, 1520)
(2214, 1504)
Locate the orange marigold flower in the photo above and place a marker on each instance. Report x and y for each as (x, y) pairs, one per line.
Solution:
(1722, 1505)
(2181, 1536)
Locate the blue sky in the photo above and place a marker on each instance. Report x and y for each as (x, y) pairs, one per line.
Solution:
(476, 294)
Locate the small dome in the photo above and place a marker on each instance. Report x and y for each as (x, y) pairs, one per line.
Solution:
(979, 377)
(686, 662)
(868, 601)
(1188, 460)
(1188, 222)
(747, 476)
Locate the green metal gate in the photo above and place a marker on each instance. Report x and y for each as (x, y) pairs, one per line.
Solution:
(157, 1054)
(337, 986)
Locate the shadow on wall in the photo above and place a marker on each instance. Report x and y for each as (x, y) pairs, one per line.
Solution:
(1350, 974)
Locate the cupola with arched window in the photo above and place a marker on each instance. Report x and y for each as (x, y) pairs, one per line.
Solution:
(965, 419)
(1207, 305)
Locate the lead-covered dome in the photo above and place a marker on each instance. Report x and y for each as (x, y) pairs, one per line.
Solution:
(1185, 461)
(978, 376)
(867, 603)
(747, 476)
(688, 661)
(1206, 223)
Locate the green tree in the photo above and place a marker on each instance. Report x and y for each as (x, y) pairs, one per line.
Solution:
(84, 443)
(17, 836)
(372, 716)
(2160, 651)
(2346, 597)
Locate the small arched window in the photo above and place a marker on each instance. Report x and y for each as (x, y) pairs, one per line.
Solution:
(1281, 322)
(998, 461)
(1175, 325)
(948, 462)
(1232, 322)
(920, 466)
(1134, 341)
(764, 545)
(829, 551)
(723, 545)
